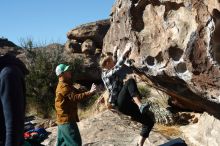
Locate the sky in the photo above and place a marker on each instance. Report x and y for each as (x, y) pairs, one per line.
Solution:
(48, 20)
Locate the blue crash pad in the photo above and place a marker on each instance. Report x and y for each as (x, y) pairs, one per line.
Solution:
(175, 142)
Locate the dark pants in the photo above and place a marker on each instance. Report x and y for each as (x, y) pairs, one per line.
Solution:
(12, 106)
(128, 107)
(68, 135)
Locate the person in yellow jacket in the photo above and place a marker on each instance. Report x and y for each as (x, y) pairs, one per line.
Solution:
(66, 101)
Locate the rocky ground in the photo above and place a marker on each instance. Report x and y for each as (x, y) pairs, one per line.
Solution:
(111, 129)
(114, 129)
(203, 133)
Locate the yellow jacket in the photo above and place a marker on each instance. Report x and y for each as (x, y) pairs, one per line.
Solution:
(66, 102)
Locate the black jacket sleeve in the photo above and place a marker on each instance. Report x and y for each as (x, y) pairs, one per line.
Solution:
(12, 100)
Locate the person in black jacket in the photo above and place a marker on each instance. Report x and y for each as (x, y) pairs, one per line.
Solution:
(12, 100)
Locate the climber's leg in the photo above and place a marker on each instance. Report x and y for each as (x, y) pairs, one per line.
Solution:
(125, 101)
(129, 93)
(128, 107)
(147, 127)
(131, 109)
(137, 101)
(133, 91)
(143, 140)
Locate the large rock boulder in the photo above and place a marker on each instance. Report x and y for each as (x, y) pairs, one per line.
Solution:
(72, 46)
(88, 70)
(88, 47)
(94, 31)
(204, 133)
(176, 43)
(85, 42)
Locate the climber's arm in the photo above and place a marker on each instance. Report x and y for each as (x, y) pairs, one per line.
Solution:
(115, 54)
(115, 69)
(119, 63)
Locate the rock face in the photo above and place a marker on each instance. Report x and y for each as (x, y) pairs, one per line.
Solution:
(86, 42)
(88, 47)
(95, 31)
(72, 46)
(203, 133)
(176, 43)
(89, 71)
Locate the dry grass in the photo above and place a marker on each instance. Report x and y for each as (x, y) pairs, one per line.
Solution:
(85, 113)
(169, 131)
(99, 105)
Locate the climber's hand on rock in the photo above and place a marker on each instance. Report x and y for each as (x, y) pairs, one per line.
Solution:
(93, 88)
(127, 50)
(115, 48)
(115, 52)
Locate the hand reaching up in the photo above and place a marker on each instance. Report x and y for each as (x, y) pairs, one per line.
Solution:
(115, 49)
(127, 50)
(93, 88)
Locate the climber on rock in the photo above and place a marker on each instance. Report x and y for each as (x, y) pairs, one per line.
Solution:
(125, 95)
(66, 101)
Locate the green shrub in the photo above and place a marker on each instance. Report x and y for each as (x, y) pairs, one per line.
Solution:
(144, 91)
(42, 81)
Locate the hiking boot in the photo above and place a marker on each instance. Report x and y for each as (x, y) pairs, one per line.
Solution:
(144, 108)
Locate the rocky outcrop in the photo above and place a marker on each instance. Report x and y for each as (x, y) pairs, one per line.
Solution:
(72, 46)
(204, 133)
(94, 32)
(85, 42)
(87, 69)
(88, 47)
(176, 44)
